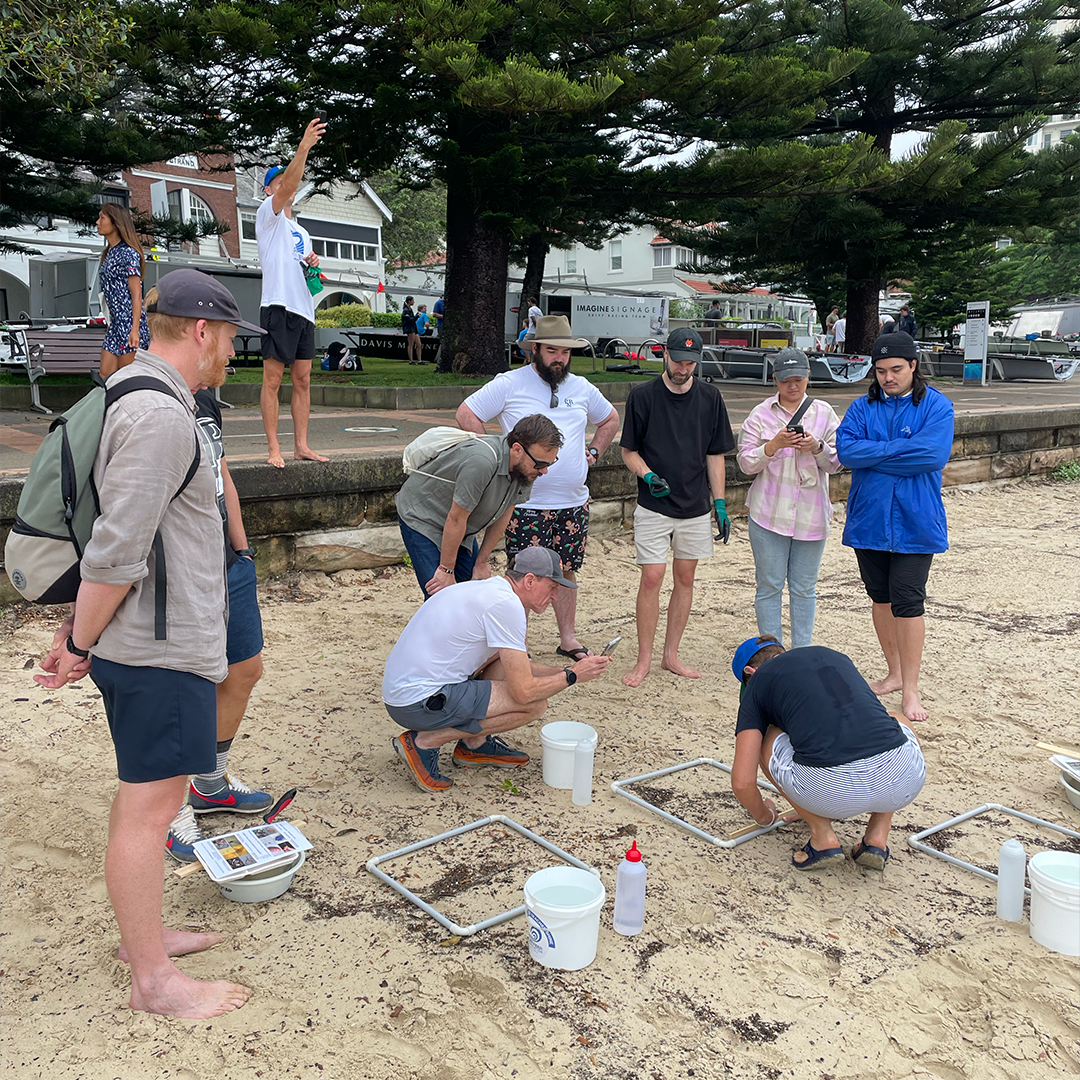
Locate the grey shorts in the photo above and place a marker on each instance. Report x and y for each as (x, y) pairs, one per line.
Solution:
(456, 705)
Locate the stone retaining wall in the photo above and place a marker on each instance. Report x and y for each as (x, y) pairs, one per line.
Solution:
(341, 515)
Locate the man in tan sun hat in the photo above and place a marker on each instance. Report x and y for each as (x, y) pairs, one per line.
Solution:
(556, 515)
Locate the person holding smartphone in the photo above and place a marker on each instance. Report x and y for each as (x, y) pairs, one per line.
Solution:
(790, 457)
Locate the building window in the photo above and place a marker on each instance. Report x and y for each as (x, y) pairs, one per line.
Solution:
(684, 256)
(116, 198)
(1066, 132)
(1046, 140)
(571, 260)
(661, 256)
(247, 226)
(615, 254)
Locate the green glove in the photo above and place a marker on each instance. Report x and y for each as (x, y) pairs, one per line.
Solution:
(658, 487)
(723, 522)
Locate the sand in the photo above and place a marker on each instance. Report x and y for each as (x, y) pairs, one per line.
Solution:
(745, 969)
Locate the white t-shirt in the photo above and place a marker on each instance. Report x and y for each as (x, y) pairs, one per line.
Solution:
(534, 314)
(840, 329)
(282, 245)
(514, 395)
(452, 636)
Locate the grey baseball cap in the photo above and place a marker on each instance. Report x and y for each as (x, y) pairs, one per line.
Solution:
(791, 364)
(191, 294)
(543, 562)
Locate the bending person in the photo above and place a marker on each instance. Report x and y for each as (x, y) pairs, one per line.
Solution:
(809, 720)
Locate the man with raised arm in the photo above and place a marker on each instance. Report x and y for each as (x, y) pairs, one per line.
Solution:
(287, 307)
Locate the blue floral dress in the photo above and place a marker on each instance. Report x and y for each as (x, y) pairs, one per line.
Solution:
(121, 262)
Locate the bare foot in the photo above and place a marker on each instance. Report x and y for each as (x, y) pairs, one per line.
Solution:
(180, 943)
(677, 667)
(177, 995)
(307, 454)
(635, 675)
(276, 460)
(913, 707)
(887, 685)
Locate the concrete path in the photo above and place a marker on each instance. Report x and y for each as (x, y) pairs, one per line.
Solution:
(369, 432)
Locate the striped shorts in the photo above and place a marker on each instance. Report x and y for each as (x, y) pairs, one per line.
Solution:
(881, 784)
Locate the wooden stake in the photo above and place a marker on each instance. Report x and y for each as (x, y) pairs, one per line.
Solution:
(1058, 749)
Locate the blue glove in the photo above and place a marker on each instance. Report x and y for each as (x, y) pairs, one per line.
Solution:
(723, 522)
(658, 487)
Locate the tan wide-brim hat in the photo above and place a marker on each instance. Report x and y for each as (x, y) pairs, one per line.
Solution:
(555, 330)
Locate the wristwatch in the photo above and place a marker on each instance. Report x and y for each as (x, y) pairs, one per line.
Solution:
(75, 650)
(571, 676)
(593, 453)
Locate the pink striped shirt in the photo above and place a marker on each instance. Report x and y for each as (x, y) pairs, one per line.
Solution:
(790, 492)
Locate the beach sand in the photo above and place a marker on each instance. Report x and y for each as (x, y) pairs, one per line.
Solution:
(745, 968)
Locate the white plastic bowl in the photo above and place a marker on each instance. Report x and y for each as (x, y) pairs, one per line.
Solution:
(1072, 788)
(264, 886)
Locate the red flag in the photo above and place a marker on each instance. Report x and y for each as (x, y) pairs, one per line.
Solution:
(381, 288)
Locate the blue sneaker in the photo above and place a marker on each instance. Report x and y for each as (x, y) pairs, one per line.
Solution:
(235, 796)
(184, 834)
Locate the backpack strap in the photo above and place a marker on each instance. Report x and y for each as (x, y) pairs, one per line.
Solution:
(801, 411)
(161, 573)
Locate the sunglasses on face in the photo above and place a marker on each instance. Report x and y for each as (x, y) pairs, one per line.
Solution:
(537, 463)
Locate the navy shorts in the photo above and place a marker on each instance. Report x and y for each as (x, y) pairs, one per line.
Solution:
(289, 337)
(163, 723)
(245, 637)
(456, 705)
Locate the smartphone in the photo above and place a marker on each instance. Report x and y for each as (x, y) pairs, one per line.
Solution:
(320, 114)
(609, 648)
(796, 428)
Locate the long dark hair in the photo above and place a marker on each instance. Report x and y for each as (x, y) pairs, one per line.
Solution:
(918, 385)
(120, 216)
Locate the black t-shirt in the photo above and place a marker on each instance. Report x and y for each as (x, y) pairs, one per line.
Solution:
(208, 419)
(674, 433)
(826, 707)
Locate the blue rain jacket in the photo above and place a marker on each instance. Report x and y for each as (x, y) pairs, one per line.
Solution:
(896, 451)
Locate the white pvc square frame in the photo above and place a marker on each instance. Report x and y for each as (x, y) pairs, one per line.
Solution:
(619, 785)
(505, 916)
(915, 840)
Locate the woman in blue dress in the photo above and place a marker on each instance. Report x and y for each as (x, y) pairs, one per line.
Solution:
(120, 274)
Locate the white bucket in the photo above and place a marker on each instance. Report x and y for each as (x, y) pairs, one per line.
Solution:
(562, 906)
(1055, 900)
(558, 740)
(255, 888)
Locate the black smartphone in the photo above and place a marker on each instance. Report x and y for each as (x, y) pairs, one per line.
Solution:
(320, 114)
(797, 428)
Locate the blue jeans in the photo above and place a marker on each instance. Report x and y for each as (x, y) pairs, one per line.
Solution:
(776, 559)
(426, 557)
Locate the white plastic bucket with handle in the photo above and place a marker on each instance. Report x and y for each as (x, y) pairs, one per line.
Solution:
(1055, 900)
(562, 906)
(558, 740)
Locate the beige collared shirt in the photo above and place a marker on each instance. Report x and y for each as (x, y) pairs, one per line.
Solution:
(147, 445)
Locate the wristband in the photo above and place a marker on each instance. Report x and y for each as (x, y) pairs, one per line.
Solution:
(248, 552)
(445, 571)
(75, 650)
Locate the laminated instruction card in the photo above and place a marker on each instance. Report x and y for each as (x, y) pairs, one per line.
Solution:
(250, 851)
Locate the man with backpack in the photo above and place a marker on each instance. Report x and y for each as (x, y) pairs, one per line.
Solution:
(157, 652)
(471, 486)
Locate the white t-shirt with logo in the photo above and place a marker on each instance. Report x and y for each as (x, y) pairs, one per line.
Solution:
(282, 245)
(513, 395)
(452, 636)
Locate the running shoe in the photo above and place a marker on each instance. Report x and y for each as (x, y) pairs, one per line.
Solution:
(235, 796)
(184, 834)
(492, 751)
(423, 764)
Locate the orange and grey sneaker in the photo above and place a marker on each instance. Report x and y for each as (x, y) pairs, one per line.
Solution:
(423, 764)
(492, 751)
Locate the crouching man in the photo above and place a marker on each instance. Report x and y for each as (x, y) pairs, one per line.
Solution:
(460, 670)
(820, 734)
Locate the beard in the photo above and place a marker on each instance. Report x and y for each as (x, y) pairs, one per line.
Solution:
(675, 377)
(554, 378)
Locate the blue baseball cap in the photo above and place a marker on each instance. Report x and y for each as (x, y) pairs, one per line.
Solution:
(745, 652)
(273, 171)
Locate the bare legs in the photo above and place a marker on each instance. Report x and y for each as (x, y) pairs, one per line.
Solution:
(110, 362)
(138, 822)
(233, 694)
(648, 616)
(299, 405)
(565, 605)
(901, 641)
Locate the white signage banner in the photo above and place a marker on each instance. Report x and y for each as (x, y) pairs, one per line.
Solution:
(977, 335)
(632, 318)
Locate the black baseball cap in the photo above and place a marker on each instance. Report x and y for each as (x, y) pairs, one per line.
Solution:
(684, 345)
(543, 562)
(895, 344)
(191, 294)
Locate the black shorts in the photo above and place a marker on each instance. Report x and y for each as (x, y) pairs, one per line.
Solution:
(289, 337)
(163, 723)
(895, 578)
(562, 531)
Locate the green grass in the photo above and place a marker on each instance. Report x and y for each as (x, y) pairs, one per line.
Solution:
(378, 371)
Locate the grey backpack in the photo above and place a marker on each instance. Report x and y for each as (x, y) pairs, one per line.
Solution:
(59, 503)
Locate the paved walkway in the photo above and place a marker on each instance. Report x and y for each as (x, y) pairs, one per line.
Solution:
(368, 432)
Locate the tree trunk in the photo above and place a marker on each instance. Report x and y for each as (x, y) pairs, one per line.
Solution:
(538, 248)
(862, 309)
(475, 287)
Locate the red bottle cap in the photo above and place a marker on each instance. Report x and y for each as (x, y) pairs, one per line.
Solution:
(633, 855)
